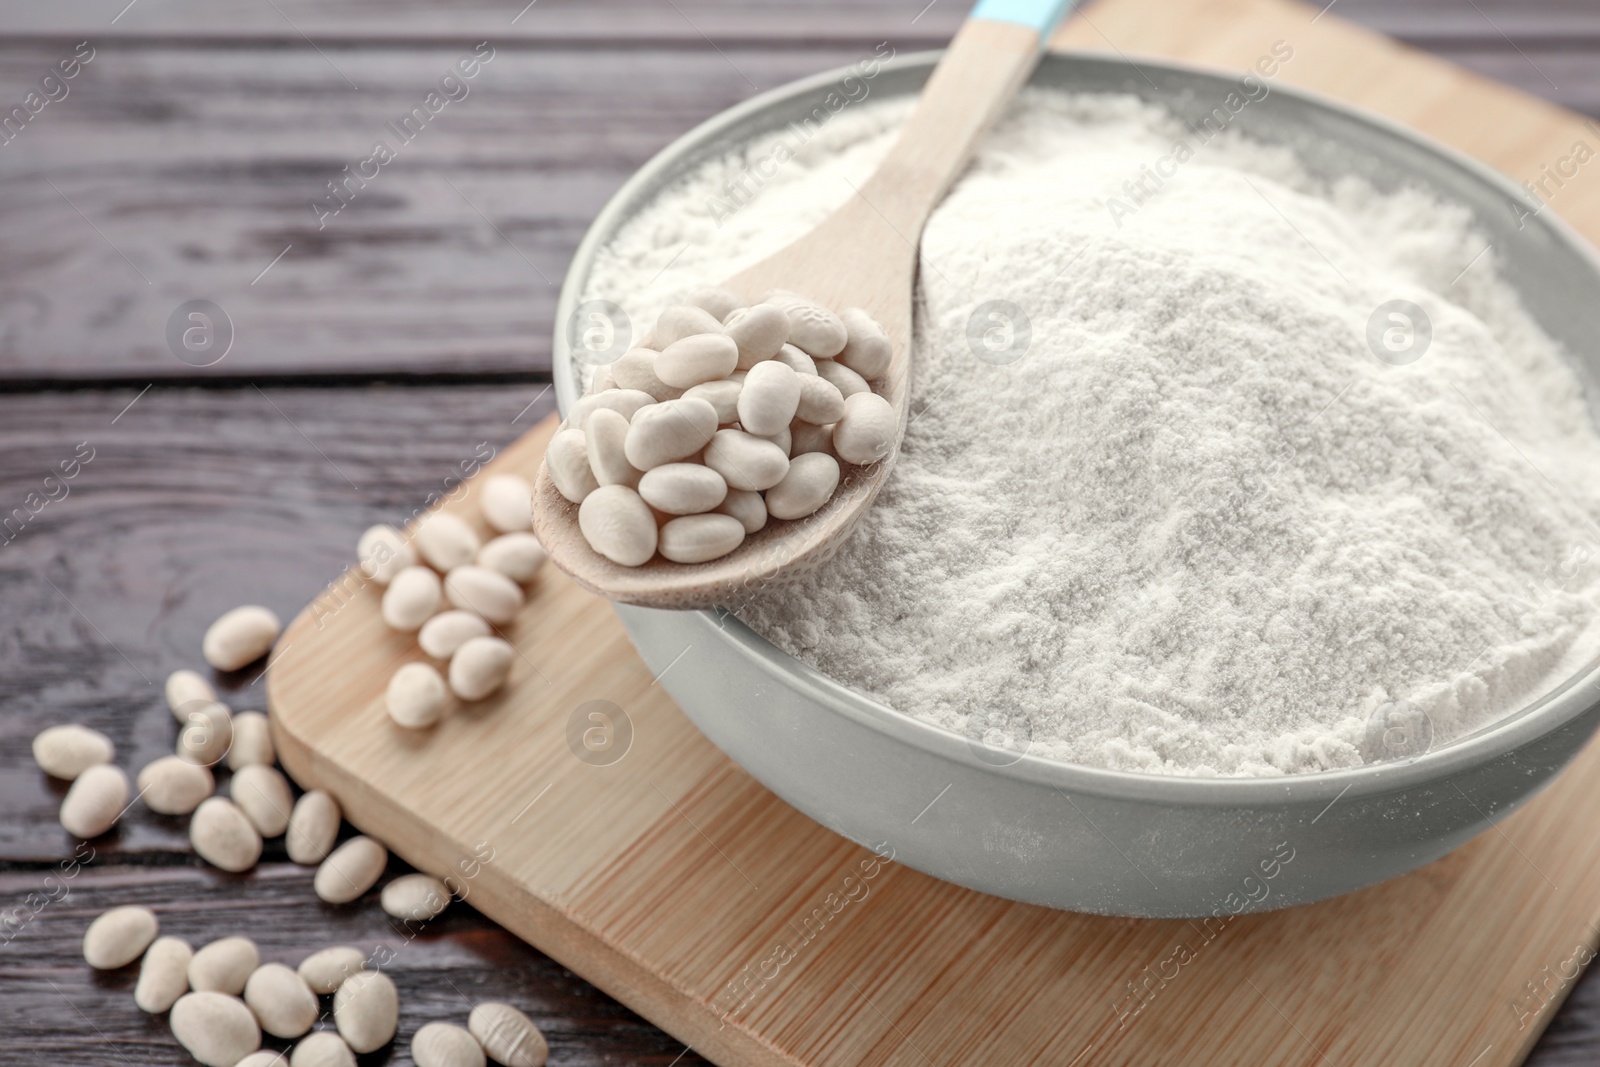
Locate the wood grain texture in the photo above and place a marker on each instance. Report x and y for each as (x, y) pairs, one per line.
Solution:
(204, 493)
(195, 500)
(184, 484)
(674, 881)
(1369, 999)
(200, 135)
(441, 968)
(146, 188)
(687, 22)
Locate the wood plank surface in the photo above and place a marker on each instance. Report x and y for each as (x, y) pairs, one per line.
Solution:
(203, 492)
(109, 589)
(180, 166)
(1434, 23)
(143, 190)
(454, 962)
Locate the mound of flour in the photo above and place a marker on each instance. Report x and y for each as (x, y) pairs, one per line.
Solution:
(1199, 527)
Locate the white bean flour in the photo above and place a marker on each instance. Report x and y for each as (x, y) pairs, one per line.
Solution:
(1198, 527)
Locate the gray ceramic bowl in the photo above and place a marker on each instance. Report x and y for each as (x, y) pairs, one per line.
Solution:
(1077, 837)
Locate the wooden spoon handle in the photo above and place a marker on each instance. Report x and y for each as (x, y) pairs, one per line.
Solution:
(988, 60)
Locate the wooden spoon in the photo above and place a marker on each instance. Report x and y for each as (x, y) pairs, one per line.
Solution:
(863, 255)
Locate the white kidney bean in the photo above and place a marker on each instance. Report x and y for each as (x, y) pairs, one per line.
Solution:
(218, 1030)
(759, 331)
(224, 836)
(518, 556)
(769, 398)
(722, 395)
(704, 357)
(416, 696)
(350, 870)
(624, 402)
(716, 300)
(636, 369)
(746, 506)
(507, 503)
(313, 827)
(806, 437)
(224, 966)
(207, 734)
(416, 897)
(669, 431)
(95, 802)
(326, 970)
(567, 460)
(262, 793)
(486, 592)
(384, 552)
(266, 1058)
(411, 599)
(683, 488)
(252, 741)
(679, 321)
(812, 327)
(164, 975)
(508, 1036)
(746, 461)
(366, 1009)
(282, 1002)
(184, 687)
(820, 403)
(866, 431)
(447, 631)
(783, 439)
(601, 379)
(847, 381)
(444, 1045)
(322, 1048)
(811, 480)
(698, 538)
(480, 666)
(67, 751)
(796, 360)
(867, 350)
(446, 541)
(172, 785)
(603, 442)
(118, 937)
(618, 524)
(240, 637)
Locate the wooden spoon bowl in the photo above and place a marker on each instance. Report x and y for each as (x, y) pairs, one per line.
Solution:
(863, 255)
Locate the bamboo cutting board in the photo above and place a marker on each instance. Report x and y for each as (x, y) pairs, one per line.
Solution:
(667, 876)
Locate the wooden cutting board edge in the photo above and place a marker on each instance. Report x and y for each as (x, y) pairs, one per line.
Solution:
(429, 846)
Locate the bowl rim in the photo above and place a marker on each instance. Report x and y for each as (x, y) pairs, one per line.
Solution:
(1553, 710)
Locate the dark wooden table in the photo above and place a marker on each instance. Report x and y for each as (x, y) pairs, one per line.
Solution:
(372, 349)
